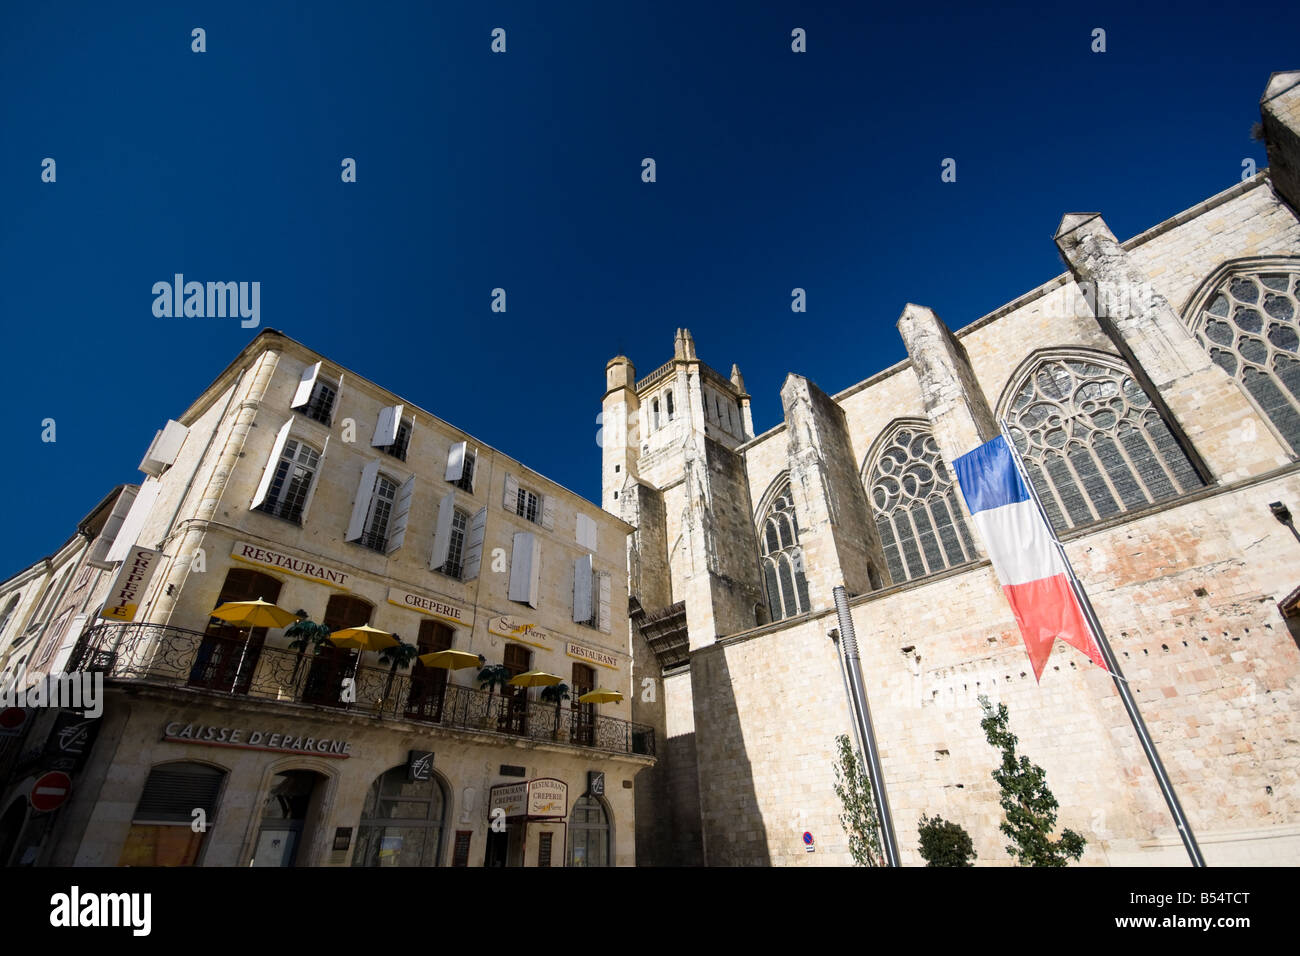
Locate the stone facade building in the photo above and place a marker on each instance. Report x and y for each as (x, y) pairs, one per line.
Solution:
(291, 480)
(1153, 390)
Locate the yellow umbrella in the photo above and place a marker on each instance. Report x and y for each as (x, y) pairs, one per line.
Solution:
(363, 638)
(449, 659)
(254, 614)
(600, 695)
(535, 679)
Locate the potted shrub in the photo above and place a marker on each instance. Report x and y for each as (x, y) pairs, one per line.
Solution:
(558, 693)
(491, 677)
(304, 634)
(399, 655)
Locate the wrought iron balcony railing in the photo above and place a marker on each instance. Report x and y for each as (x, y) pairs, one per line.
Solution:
(177, 657)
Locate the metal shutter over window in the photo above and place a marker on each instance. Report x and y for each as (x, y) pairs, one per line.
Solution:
(173, 792)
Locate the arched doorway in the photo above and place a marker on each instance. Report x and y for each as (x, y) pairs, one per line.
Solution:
(228, 655)
(286, 816)
(176, 797)
(589, 833)
(332, 664)
(402, 822)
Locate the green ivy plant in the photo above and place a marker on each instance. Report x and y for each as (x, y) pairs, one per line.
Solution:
(853, 788)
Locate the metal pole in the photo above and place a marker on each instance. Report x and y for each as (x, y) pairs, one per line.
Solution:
(848, 694)
(862, 714)
(1112, 664)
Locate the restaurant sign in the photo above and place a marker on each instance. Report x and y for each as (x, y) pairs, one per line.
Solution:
(582, 653)
(426, 605)
(521, 631)
(128, 586)
(542, 799)
(247, 739)
(298, 567)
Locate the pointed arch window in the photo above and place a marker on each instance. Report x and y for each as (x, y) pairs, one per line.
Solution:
(783, 568)
(922, 527)
(1092, 441)
(1250, 326)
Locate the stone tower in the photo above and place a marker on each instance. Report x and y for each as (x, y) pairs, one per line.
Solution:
(671, 469)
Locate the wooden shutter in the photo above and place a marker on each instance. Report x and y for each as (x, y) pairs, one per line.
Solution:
(587, 533)
(135, 519)
(98, 555)
(164, 448)
(525, 568)
(305, 386)
(548, 512)
(272, 464)
(456, 461)
(605, 591)
(511, 499)
(315, 479)
(364, 492)
(401, 512)
(582, 589)
(544, 848)
(442, 534)
(474, 545)
(386, 428)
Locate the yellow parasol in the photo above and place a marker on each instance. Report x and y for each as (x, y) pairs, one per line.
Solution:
(600, 695)
(363, 638)
(254, 614)
(449, 659)
(535, 679)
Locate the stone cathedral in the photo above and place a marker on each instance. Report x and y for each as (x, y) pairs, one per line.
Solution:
(1153, 390)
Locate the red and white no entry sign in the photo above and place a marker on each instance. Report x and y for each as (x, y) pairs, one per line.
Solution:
(11, 718)
(50, 790)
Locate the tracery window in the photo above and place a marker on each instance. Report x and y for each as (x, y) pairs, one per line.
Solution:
(1251, 328)
(1093, 443)
(783, 571)
(922, 529)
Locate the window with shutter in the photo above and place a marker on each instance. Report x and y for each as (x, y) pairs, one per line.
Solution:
(525, 569)
(284, 493)
(584, 591)
(474, 544)
(401, 513)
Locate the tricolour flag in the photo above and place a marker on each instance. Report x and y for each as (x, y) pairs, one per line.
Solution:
(1024, 554)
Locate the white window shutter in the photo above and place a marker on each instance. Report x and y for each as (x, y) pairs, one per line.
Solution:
(315, 479)
(456, 461)
(135, 519)
(587, 533)
(511, 499)
(164, 448)
(605, 589)
(272, 463)
(548, 512)
(69, 641)
(401, 513)
(365, 491)
(582, 589)
(305, 386)
(386, 427)
(98, 555)
(525, 568)
(442, 536)
(474, 544)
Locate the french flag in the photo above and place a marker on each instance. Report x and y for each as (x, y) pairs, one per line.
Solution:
(1024, 555)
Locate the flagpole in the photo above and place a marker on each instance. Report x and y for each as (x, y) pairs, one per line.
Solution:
(1112, 664)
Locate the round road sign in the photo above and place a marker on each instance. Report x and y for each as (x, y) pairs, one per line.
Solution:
(50, 790)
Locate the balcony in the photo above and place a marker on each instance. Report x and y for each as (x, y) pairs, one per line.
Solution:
(167, 656)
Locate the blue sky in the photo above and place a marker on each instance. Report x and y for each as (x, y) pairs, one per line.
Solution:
(522, 170)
